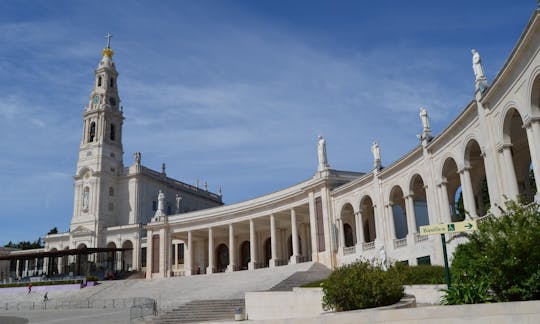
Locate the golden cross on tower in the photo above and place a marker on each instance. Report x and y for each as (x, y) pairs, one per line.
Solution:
(108, 36)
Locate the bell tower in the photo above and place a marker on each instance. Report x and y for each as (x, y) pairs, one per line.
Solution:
(100, 155)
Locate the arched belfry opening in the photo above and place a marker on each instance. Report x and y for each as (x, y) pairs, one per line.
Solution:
(517, 158)
(399, 217)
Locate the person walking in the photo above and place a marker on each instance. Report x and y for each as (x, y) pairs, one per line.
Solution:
(30, 288)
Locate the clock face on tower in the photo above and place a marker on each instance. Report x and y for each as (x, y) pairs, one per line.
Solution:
(95, 100)
(112, 101)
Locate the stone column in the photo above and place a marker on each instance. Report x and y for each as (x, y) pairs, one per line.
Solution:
(232, 250)
(305, 232)
(273, 241)
(411, 217)
(295, 257)
(60, 268)
(341, 238)
(188, 254)
(512, 190)
(313, 228)
(26, 267)
(176, 256)
(210, 268)
(445, 204)
(391, 223)
(359, 230)
(17, 267)
(468, 192)
(252, 265)
(533, 136)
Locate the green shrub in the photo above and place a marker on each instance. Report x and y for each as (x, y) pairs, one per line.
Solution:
(502, 255)
(92, 278)
(361, 285)
(422, 275)
(313, 284)
(467, 293)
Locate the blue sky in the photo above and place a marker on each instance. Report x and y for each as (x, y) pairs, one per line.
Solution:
(232, 92)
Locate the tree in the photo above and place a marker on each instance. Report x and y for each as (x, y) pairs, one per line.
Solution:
(503, 255)
(25, 245)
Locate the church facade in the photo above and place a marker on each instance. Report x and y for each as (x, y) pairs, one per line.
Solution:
(165, 227)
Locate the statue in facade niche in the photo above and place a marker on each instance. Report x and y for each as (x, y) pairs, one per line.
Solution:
(376, 155)
(321, 152)
(178, 201)
(382, 259)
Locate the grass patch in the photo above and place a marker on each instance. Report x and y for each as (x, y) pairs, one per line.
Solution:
(313, 284)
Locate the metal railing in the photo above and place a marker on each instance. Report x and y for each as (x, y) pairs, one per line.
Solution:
(75, 304)
(143, 309)
(400, 242)
(368, 246)
(349, 250)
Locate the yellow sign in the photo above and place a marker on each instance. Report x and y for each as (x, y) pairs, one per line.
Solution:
(448, 228)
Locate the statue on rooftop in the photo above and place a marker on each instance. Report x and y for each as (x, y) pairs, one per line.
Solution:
(479, 76)
(376, 155)
(321, 152)
(137, 157)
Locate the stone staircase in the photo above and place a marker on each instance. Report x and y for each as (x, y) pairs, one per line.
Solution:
(202, 311)
(297, 279)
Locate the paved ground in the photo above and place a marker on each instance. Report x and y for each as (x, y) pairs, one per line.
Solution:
(168, 292)
(86, 316)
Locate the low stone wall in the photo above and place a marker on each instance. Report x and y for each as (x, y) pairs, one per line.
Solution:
(426, 294)
(516, 312)
(301, 302)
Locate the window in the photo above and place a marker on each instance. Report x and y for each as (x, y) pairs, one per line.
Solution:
(154, 205)
(111, 191)
(92, 133)
(99, 80)
(111, 83)
(113, 132)
(423, 260)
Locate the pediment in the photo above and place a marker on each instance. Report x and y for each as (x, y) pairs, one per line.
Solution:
(81, 230)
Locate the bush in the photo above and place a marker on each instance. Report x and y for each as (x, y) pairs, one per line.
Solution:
(422, 275)
(467, 293)
(92, 278)
(41, 283)
(502, 255)
(313, 284)
(361, 285)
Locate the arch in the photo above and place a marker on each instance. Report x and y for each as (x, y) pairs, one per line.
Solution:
(110, 259)
(399, 217)
(450, 174)
(222, 256)
(534, 87)
(474, 161)
(245, 255)
(515, 138)
(367, 210)
(99, 81)
(418, 191)
(81, 264)
(347, 218)
(127, 256)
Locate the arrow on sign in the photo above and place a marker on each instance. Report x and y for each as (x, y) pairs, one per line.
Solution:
(468, 226)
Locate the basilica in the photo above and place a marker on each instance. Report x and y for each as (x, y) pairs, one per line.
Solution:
(132, 218)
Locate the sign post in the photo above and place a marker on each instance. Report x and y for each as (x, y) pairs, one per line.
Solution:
(442, 229)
